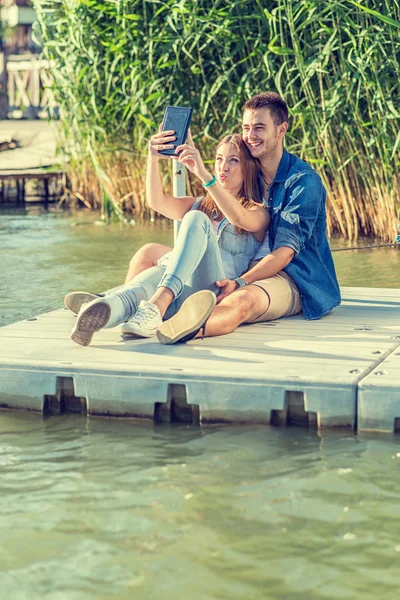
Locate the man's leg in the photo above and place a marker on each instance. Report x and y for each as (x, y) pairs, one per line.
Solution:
(145, 258)
(195, 319)
(244, 305)
(266, 300)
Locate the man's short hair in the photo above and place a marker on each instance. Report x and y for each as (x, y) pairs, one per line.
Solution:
(275, 104)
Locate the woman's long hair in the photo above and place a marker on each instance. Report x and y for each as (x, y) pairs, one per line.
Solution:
(249, 194)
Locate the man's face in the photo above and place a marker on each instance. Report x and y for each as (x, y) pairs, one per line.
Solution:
(261, 135)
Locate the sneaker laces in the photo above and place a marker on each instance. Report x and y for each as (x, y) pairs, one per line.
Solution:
(145, 313)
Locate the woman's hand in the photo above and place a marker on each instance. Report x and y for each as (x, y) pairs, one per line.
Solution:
(161, 141)
(188, 155)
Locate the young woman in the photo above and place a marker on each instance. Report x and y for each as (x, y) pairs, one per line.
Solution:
(218, 237)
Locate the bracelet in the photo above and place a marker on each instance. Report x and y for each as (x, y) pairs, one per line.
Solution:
(210, 183)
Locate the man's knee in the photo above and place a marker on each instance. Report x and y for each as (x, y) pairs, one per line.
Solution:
(243, 303)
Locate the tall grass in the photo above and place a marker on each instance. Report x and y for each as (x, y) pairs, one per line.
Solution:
(119, 62)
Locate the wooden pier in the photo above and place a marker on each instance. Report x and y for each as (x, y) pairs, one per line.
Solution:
(340, 371)
(33, 159)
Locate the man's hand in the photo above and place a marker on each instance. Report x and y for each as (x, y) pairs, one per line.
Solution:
(227, 287)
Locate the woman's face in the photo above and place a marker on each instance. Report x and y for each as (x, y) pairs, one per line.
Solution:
(228, 168)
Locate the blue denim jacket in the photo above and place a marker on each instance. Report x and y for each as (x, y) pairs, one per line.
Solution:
(296, 202)
(237, 249)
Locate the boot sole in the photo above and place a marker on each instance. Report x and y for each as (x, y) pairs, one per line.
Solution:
(74, 300)
(91, 320)
(191, 316)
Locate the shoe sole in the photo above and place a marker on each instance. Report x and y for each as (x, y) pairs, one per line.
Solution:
(91, 320)
(135, 335)
(74, 300)
(191, 316)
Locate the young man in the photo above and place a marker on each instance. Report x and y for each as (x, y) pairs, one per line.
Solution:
(293, 271)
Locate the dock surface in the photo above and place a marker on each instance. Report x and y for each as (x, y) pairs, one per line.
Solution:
(340, 371)
(37, 145)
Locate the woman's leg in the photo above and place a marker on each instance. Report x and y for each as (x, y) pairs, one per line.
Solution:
(145, 258)
(194, 264)
(126, 299)
(117, 307)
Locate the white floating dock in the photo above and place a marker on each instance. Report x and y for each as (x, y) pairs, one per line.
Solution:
(340, 371)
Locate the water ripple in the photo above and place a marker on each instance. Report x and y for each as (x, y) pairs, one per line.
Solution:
(98, 509)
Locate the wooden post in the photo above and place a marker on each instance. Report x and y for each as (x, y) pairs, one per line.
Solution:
(178, 186)
(18, 188)
(11, 89)
(46, 190)
(34, 87)
(3, 86)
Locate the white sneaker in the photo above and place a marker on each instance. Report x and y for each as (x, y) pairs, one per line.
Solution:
(75, 300)
(91, 318)
(101, 312)
(145, 322)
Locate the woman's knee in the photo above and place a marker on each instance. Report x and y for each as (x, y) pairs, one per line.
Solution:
(145, 258)
(149, 254)
(196, 217)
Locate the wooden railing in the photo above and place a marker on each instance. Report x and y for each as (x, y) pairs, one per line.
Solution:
(27, 80)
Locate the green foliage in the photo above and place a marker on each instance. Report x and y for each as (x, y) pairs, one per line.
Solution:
(120, 62)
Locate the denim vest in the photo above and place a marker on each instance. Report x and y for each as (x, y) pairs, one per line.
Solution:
(296, 203)
(237, 249)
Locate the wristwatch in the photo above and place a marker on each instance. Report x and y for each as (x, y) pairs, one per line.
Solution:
(241, 282)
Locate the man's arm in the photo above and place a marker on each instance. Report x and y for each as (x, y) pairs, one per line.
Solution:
(296, 222)
(270, 265)
(300, 212)
(267, 267)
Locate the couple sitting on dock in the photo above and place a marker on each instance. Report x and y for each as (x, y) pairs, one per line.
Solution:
(253, 249)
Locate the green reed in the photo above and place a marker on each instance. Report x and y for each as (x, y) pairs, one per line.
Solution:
(120, 62)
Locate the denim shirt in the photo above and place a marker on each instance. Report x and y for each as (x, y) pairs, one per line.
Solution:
(237, 249)
(296, 202)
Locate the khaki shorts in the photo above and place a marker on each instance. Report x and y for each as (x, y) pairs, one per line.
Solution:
(284, 297)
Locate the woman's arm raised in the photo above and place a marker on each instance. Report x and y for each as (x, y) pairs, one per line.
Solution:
(167, 205)
(254, 218)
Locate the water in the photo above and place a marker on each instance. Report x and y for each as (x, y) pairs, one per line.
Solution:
(114, 509)
(46, 254)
